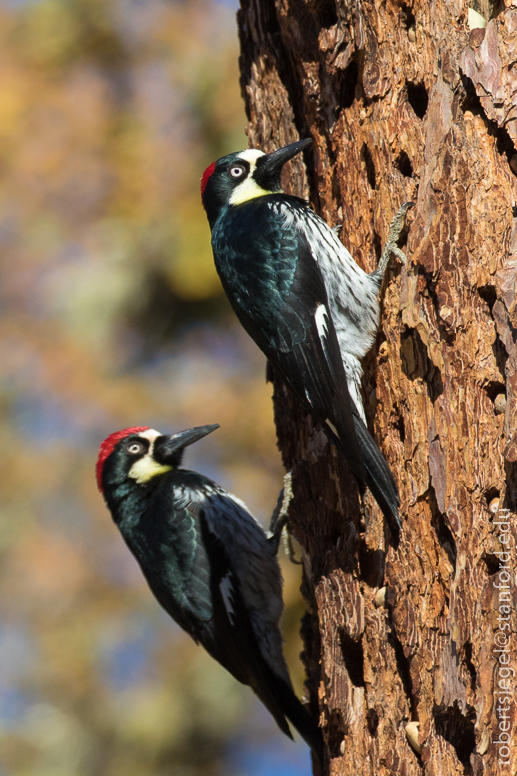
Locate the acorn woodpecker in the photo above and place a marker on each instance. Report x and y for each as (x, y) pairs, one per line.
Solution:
(206, 560)
(299, 294)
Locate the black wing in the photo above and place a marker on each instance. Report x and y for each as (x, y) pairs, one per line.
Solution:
(277, 291)
(191, 574)
(238, 647)
(379, 478)
(166, 541)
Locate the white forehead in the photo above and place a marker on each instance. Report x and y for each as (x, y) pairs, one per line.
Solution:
(151, 434)
(251, 155)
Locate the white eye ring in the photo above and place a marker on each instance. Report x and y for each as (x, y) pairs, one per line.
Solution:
(135, 447)
(236, 171)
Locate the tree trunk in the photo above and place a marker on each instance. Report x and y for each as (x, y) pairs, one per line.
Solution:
(405, 102)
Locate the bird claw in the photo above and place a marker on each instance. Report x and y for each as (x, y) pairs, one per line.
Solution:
(289, 549)
(279, 517)
(391, 248)
(395, 251)
(279, 520)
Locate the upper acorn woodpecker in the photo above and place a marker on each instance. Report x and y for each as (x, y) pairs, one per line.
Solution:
(207, 561)
(299, 294)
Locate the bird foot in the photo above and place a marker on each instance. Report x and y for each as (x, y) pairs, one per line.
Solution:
(279, 520)
(279, 517)
(391, 248)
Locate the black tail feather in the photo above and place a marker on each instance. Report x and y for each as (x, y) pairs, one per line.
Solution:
(238, 650)
(379, 478)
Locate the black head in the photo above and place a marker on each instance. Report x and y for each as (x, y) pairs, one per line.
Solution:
(245, 175)
(140, 454)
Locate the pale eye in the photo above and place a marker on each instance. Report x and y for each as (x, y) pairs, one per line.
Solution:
(237, 171)
(135, 448)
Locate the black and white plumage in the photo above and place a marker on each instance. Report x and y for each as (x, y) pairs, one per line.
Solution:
(353, 294)
(302, 298)
(207, 561)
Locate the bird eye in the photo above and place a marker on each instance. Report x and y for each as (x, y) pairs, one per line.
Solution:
(135, 448)
(237, 171)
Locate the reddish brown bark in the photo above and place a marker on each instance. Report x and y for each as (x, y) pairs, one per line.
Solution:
(403, 102)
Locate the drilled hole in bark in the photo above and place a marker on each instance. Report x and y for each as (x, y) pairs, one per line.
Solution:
(431, 281)
(353, 658)
(370, 167)
(488, 294)
(335, 737)
(488, 9)
(399, 425)
(372, 719)
(471, 668)
(491, 563)
(413, 354)
(493, 389)
(497, 8)
(442, 530)
(409, 19)
(326, 11)
(349, 81)
(418, 98)
(371, 565)
(403, 163)
(491, 494)
(457, 729)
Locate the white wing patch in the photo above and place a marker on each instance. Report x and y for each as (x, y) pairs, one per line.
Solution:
(226, 588)
(320, 316)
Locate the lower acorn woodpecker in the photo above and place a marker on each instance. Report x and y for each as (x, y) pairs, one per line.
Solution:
(207, 561)
(298, 293)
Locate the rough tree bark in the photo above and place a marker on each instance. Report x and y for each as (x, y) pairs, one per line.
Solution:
(405, 102)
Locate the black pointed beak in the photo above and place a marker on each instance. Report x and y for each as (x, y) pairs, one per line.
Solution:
(167, 447)
(274, 161)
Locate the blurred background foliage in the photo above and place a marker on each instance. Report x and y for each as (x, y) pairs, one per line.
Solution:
(111, 314)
